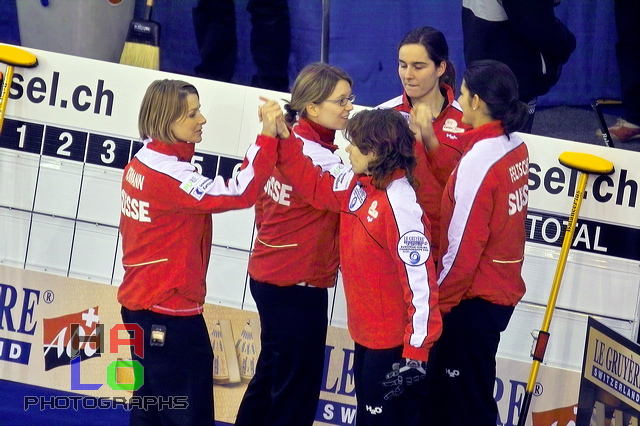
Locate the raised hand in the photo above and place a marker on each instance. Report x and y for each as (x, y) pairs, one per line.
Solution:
(420, 121)
(272, 118)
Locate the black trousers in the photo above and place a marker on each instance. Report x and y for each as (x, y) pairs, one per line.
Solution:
(183, 367)
(462, 365)
(215, 29)
(286, 386)
(628, 54)
(369, 369)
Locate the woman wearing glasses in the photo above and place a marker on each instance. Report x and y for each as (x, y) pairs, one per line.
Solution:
(388, 271)
(428, 101)
(295, 260)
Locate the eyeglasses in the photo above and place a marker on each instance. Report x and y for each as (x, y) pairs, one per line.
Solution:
(342, 102)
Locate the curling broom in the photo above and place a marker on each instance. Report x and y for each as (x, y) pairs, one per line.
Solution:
(141, 48)
(584, 163)
(604, 130)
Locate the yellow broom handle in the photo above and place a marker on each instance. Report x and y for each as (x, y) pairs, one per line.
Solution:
(564, 252)
(4, 94)
(562, 260)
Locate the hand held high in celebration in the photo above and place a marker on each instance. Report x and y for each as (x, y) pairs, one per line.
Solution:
(272, 119)
(420, 123)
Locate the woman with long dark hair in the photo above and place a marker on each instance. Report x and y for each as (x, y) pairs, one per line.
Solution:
(484, 208)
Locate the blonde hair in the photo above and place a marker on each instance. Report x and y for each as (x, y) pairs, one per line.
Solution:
(164, 103)
(314, 84)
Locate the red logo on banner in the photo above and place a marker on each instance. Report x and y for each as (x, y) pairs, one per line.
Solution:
(565, 416)
(60, 348)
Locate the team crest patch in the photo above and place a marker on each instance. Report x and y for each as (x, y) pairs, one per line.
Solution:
(358, 197)
(414, 248)
(451, 125)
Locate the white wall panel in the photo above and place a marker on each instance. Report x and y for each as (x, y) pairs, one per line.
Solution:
(249, 302)
(234, 229)
(58, 187)
(567, 335)
(100, 195)
(591, 283)
(14, 229)
(18, 175)
(338, 305)
(93, 252)
(227, 276)
(50, 243)
(118, 269)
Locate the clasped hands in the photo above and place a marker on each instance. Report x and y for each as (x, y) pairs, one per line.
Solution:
(420, 120)
(274, 125)
(272, 119)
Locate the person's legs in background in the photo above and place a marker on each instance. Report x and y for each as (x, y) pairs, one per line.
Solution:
(214, 22)
(270, 43)
(531, 109)
(627, 14)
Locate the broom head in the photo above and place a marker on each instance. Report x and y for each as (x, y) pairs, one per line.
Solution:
(141, 48)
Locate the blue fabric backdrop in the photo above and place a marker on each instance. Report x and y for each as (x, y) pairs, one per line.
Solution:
(364, 36)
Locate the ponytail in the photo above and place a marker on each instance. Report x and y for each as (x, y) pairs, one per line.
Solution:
(515, 116)
(496, 85)
(449, 76)
(290, 115)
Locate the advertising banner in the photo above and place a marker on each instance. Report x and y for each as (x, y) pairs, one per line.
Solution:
(609, 386)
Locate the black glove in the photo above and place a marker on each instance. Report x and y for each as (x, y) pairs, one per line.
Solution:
(402, 375)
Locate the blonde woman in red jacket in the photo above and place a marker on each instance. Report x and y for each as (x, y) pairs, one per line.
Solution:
(166, 230)
(386, 261)
(484, 209)
(295, 260)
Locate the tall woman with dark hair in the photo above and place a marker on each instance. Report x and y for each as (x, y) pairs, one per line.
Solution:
(386, 261)
(295, 260)
(484, 209)
(428, 101)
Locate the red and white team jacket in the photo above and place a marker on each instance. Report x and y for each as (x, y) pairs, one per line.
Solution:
(387, 266)
(434, 168)
(484, 209)
(166, 223)
(297, 242)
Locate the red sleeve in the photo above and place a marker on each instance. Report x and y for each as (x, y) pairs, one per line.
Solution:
(200, 194)
(315, 185)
